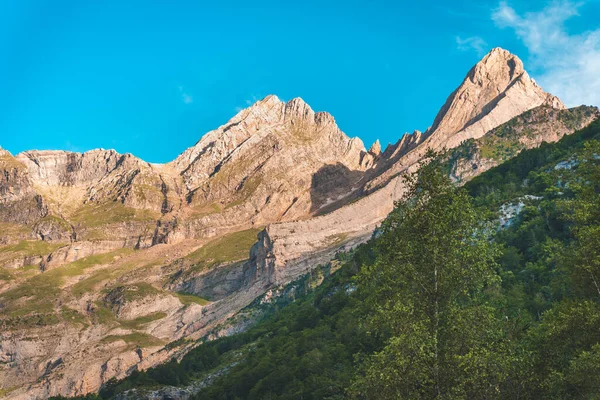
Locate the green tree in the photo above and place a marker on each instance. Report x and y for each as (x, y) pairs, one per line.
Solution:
(427, 296)
(583, 211)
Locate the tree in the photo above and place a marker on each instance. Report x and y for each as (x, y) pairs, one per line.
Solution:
(426, 294)
(583, 211)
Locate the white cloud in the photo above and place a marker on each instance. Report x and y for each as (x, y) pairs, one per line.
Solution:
(248, 102)
(472, 43)
(570, 63)
(186, 97)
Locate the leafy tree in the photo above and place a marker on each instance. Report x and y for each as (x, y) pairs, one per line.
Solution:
(427, 293)
(583, 211)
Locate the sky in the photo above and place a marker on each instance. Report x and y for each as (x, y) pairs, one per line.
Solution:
(151, 77)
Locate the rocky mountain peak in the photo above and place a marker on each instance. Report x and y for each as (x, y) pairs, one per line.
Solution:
(495, 90)
(375, 148)
(297, 108)
(497, 67)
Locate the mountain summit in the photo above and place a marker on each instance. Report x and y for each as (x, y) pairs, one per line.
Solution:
(495, 90)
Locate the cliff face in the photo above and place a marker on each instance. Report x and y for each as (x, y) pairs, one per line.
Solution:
(97, 249)
(272, 162)
(19, 202)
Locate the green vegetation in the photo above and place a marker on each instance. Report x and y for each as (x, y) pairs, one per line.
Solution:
(103, 314)
(57, 221)
(203, 210)
(249, 186)
(73, 316)
(94, 280)
(188, 299)
(4, 392)
(228, 248)
(136, 339)
(34, 300)
(442, 303)
(139, 322)
(428, 292)
(110, 212)
(138, 291)
(31, 248)
(8, 230)
(573, 118)
(5, 275)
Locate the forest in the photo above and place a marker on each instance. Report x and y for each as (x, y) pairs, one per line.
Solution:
(489, 290)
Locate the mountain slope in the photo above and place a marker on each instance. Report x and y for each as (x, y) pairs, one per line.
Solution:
(495, 91)
(309, 349)
(112, 264)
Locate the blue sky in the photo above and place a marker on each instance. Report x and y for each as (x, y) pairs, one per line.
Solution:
(151, 77)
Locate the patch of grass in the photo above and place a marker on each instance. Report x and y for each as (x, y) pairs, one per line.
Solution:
(139, 291)
(137, 339)
(26, 272)
(302, 132)
(4, 392)
(188, 299)
(5, 275)
(13, 230)
(203, 210)
(109, 213)
(56, 220)
(178, 343)
(234, 168)
(31, 248)
(142, 191)
(91, 283)
(247, 189)
(141, 321)
(40, 292)
(29, 321)
(337, 238)
(103, 314)
(73, 316)
(228, 248)
(88, 285)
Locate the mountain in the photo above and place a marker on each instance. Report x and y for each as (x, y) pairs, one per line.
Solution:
(109, 263)
(320, 346)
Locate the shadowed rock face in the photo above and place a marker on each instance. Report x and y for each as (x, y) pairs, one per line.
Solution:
(19, 202)
(93, 292)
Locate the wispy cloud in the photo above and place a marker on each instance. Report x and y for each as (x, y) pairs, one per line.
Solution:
(248, 102)
(186, 97)
(570, 63)
(472, 43)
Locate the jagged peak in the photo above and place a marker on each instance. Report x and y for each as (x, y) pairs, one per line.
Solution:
(87, 152)
(4, 152)
(498, 75)
(498, 64)
(375, 148)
